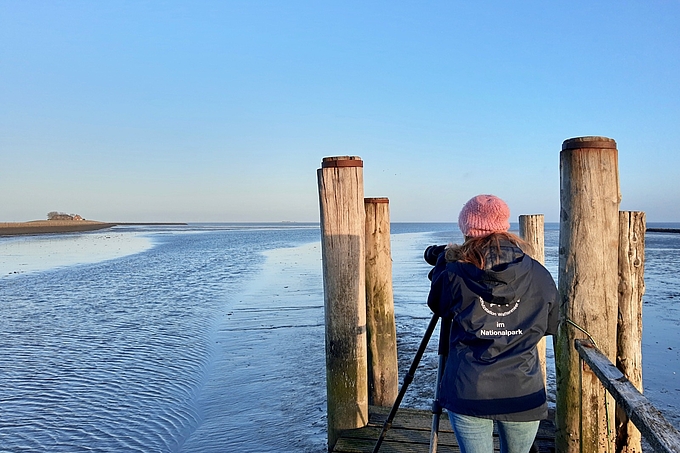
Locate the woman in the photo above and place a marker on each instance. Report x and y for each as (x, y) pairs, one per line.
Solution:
(501, 303)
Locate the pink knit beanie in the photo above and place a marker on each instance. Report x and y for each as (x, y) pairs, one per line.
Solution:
(483, 215)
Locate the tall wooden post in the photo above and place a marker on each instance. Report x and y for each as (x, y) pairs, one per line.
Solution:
(383, 373)
(532, 230)
(341, 197)
(588, 285)
(632, 226)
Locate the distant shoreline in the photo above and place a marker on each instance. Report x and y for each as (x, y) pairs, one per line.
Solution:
(63, 226)
(72, 226)
(663, 230)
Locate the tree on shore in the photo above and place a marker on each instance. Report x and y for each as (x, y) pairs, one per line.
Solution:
(54, 215)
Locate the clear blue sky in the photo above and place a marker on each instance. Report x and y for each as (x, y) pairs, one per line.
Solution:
(223, 111)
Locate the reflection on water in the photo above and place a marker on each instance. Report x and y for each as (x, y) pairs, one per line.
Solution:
(24, 254)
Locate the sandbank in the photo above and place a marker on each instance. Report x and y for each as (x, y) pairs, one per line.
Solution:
(51, 226)
(65, 226)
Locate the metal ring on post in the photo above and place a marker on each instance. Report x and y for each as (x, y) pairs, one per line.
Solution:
(589, 142)
(345, 161)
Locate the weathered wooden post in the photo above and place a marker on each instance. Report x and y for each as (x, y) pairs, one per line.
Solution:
(632, 226)
(588, 283)
(341, 198)
(383, 372)
(532, 230)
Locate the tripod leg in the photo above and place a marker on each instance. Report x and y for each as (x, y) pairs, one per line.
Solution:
(436, 406)
(407, 381)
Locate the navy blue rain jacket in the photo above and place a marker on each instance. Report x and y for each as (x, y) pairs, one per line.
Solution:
(498, 316)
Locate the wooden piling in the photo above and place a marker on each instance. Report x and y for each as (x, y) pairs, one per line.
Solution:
(632, 226)
(588, 282)
(342, 215)
(532, 230)
(383, 372)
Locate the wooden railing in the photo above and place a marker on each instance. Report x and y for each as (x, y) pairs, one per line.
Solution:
(655, 429)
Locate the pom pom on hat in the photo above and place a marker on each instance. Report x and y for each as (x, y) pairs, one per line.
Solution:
(483, 215)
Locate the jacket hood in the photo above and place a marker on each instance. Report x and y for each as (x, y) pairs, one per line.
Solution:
(505, 278)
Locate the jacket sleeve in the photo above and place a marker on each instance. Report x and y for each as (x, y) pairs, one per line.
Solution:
(440, 300)
(553, 312)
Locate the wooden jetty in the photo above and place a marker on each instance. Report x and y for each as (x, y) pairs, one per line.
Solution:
(599, 401)
(410, 433)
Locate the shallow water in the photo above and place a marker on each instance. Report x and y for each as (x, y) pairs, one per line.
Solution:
(210, 338)
(25, 254)
(134, 353)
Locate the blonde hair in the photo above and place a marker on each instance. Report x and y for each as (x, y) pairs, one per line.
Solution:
(473, 250)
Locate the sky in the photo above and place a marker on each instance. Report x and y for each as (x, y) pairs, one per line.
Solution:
(201, 111)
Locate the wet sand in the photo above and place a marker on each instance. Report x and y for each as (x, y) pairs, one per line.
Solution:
(51, 226)
(24, 254)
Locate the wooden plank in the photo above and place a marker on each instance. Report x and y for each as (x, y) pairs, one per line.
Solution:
(345, 445)
(410, 433)
(400, 435)
(419, 419)
(359, 445)
(656, 430)
(407, 418)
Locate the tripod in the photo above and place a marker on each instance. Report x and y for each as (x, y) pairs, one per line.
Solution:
(443, 352)
(436, 407)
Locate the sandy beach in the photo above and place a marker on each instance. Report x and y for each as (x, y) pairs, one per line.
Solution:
(50, 226)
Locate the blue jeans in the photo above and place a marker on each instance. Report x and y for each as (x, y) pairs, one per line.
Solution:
(475, 435)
